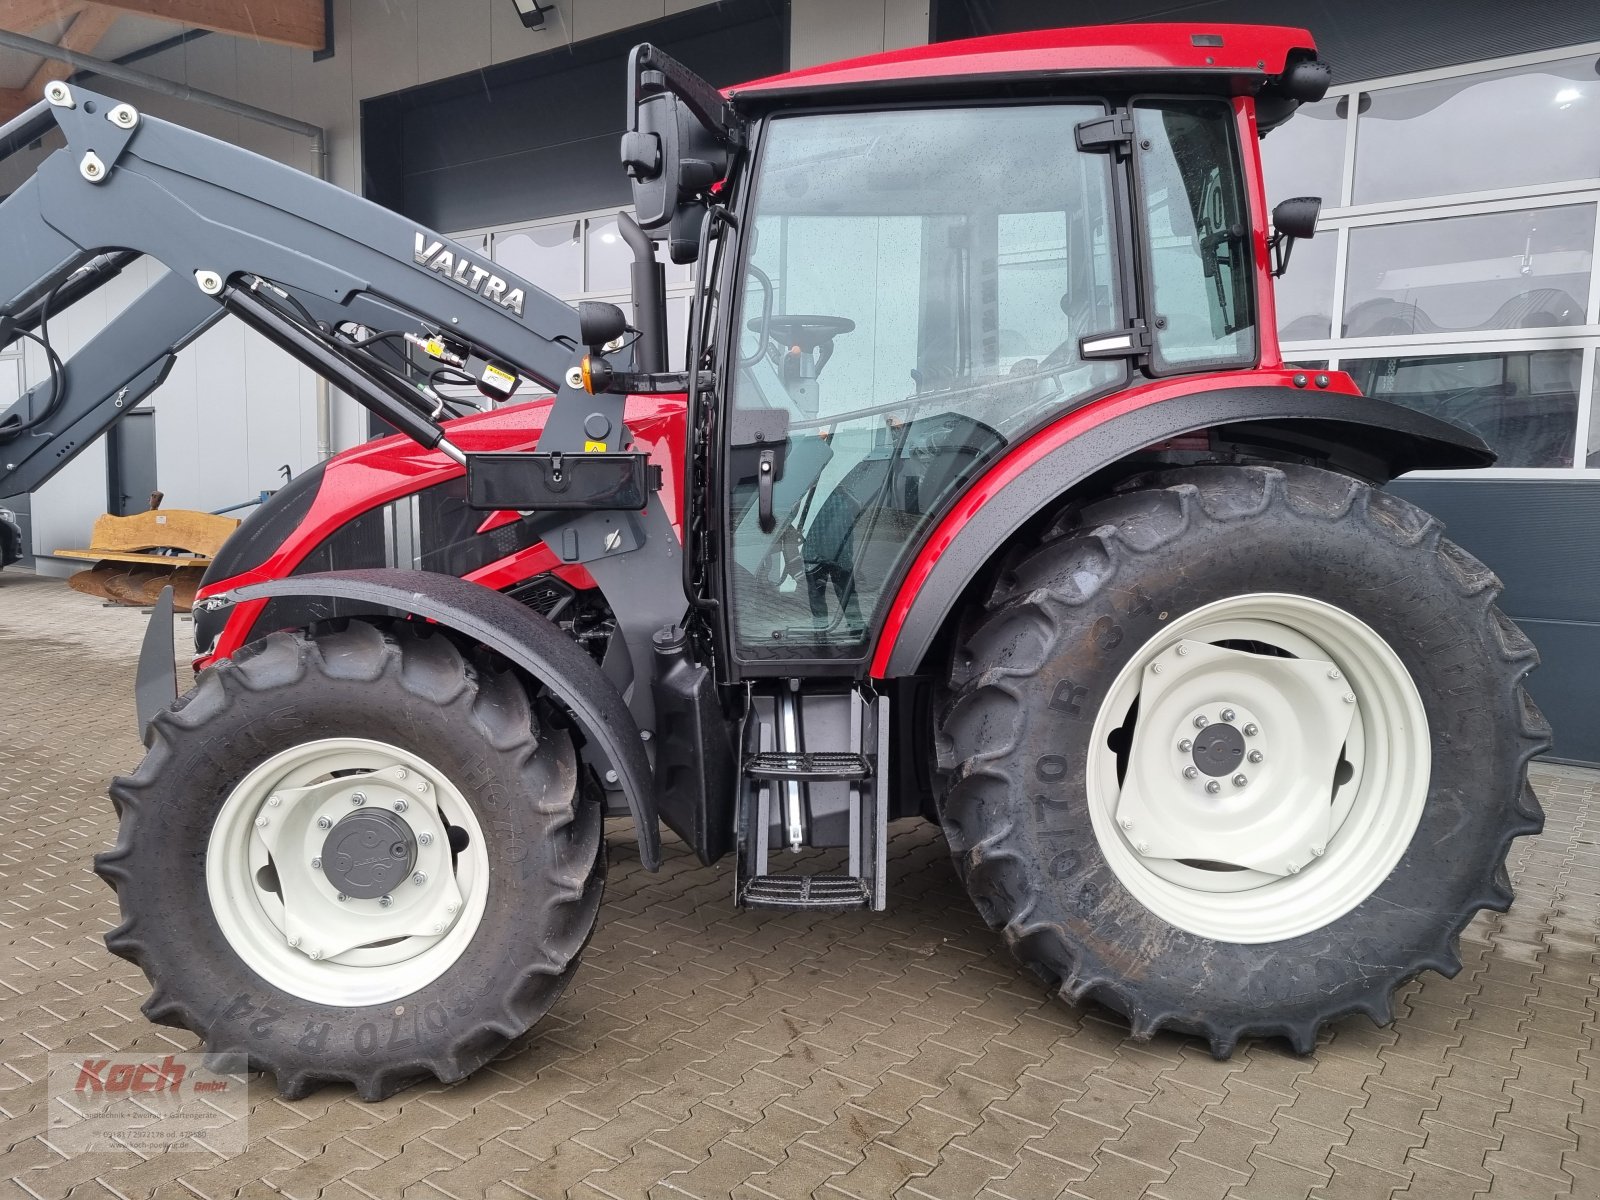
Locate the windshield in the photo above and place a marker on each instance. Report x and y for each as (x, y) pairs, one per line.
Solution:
(916, 283)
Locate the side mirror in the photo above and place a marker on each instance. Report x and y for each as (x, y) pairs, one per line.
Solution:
(1292, 219)
(679, 143)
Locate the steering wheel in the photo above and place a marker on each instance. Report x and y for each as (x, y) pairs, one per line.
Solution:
(806, 333)
(809, 334)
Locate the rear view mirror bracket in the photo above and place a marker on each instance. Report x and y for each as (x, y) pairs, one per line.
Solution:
(1292, 219)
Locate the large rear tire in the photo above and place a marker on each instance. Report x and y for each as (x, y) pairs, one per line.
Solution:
(1239, 753)
(355, 857)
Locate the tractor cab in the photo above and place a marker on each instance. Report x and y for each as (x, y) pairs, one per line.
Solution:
(910, 262)
(907, 265)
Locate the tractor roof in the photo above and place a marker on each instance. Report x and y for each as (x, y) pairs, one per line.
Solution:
(1234, 58)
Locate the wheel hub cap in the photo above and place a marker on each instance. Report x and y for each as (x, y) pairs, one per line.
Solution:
(380, 872)
(1194, 789)
(368, 853)
(1218, 750)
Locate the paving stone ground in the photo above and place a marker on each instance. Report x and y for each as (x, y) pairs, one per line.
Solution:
(707, 1052)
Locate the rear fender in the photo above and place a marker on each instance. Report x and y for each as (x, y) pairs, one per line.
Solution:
(522, 637)
(1363, 436)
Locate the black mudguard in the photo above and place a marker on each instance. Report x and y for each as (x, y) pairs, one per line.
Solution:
(522, 637)
(1372, 439)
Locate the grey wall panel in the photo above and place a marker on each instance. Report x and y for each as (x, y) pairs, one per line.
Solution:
(538, 136)
(1540, 536)
(1565, 686)
(1361, 39)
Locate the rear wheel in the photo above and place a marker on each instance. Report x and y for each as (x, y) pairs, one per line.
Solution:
(355, 857)
(1239, 753)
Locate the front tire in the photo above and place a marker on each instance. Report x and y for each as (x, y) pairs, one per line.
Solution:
(355, 857)
(1239, 753)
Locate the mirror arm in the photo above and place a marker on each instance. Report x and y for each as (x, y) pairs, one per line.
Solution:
(1281, 246)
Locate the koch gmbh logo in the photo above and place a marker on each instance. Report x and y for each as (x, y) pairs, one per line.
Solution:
(147, 1103)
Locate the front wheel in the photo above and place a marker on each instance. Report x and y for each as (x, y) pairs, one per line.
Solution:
(356, 857)
(1240, 753)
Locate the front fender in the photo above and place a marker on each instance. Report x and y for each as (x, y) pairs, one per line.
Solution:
(524, 639)
(1364, 436)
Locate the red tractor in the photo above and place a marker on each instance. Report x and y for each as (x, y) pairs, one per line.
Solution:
(985, 498)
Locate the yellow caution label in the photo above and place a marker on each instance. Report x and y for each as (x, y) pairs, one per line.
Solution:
(496, 378)
(434, 347)
(594, 447)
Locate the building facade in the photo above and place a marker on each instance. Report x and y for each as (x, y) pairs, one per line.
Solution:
(1457, 157)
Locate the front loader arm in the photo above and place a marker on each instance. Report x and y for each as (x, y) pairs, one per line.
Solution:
(208, 210)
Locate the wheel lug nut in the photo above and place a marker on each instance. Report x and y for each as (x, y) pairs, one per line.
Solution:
(1144, 847)
(294, 941)
(274, 800)
(1228, 714)
(1182, 650)
(1316, 851)
(1293, 867)
(451, 908)
(1185, 746)
(402, 773)
(1240, 780)
(425, 839)
(399, 806)
(384, 901)
(324, 823)
(1256, 756)
(419, 879)
(316, 954)
(422, 785)
(1201, 722)
(1251, 730)
(1155, 668)
(1349, 697)
(262, 822)
(1191, 772)
(358, 799)
(343, 897)
(1334, 674)
(438, 928)
(1213, 787)
(316, 864)
(1125, 823)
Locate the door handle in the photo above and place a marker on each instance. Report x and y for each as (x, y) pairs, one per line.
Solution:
(766, 468)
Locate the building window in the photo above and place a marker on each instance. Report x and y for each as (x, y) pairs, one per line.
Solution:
(1592, 459)
(1523, 269)
(1306, 156)
(1478, 132)
(1523, 403)
(1454, 265)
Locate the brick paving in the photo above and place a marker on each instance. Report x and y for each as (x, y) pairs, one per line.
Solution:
(707, 1052)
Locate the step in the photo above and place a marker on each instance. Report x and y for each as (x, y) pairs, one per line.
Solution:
(806, 891)
(816, 767)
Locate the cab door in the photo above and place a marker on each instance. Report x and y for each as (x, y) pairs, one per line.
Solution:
(913, 288)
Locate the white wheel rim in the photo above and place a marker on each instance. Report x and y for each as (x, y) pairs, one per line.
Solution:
(1303, 847)
(299, 935)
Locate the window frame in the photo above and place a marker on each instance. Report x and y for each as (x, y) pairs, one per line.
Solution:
(1144, 250)
(1342, 214)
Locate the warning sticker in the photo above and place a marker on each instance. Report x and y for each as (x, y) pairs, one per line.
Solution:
(594, 447)
(496, 378)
